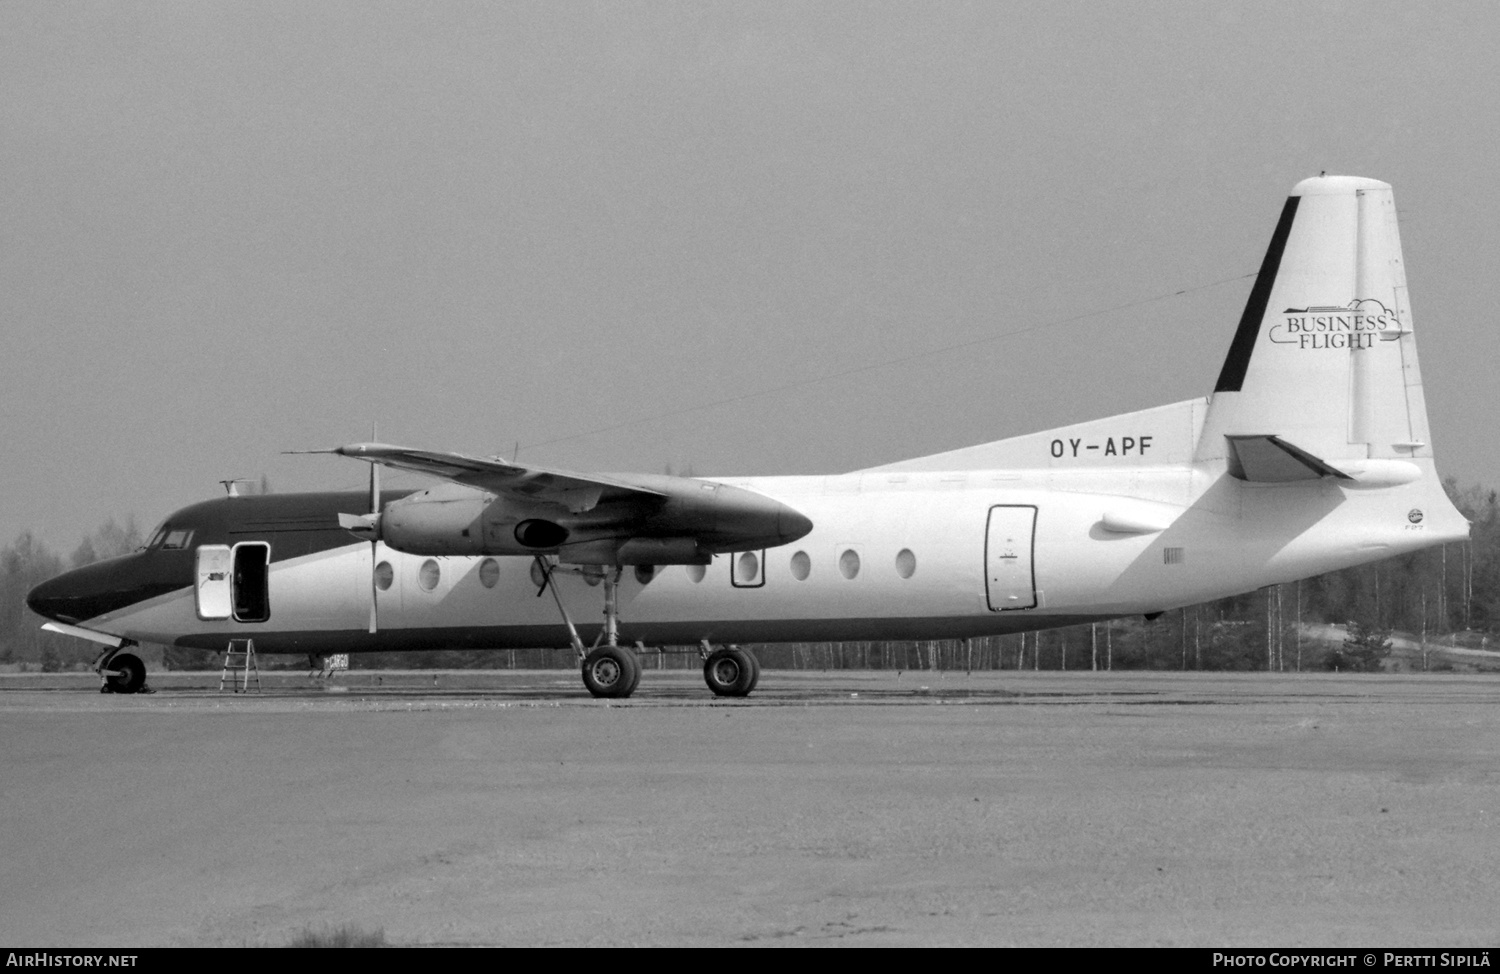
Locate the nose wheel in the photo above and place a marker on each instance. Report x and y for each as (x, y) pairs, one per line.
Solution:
(123, 673)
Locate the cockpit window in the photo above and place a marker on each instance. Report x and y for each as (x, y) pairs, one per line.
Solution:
(177, 538)
(157, 536)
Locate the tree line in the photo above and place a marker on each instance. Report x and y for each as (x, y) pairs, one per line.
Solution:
(1447, 596)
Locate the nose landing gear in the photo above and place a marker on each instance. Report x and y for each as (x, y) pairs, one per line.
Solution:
(121, 672)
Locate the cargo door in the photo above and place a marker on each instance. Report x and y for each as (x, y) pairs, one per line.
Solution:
(1010, 542)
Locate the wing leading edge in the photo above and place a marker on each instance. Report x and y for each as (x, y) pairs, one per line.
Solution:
(576, 492)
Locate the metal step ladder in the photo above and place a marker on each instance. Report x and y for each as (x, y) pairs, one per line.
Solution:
(240, 667)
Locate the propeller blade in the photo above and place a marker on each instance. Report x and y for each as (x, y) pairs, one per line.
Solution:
(374, 518)
(374, 594)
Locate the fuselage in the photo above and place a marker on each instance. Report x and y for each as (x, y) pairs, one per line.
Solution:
(891, 555)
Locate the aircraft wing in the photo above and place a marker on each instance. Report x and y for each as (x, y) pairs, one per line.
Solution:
(577, 492)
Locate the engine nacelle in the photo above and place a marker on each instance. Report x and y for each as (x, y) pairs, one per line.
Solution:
(445, 520)
(680, 521)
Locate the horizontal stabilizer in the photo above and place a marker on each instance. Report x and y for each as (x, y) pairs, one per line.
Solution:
(1272, 460)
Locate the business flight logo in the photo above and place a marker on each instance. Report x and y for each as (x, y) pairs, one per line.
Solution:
(1328, 326)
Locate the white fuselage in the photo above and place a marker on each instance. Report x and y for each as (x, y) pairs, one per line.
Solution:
(934, 555)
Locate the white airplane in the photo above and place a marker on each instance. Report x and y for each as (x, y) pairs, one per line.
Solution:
(1312, 454)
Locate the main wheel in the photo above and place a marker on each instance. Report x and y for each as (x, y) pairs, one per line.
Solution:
(129, 675)
(635, 670)
(729, 672)
(754, 672)
(610, 671)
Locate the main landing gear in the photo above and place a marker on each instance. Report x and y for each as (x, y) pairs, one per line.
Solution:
(729, 671)
(612, 671)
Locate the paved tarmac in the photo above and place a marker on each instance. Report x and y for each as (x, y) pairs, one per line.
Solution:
(828, 809)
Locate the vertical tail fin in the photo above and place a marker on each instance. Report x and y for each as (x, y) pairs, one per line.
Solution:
(1324, 358)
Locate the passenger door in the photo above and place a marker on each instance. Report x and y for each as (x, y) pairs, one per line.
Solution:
(234, 582)
(1010, 544)
(213, 581)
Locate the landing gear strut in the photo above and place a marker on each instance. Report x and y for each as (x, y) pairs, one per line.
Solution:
(609, 670)
(612, 671)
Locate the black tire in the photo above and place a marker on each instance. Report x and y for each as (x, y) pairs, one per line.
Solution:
(611, 672)
(635, 671)
(729, 672)
(130, 673)
(754, 672)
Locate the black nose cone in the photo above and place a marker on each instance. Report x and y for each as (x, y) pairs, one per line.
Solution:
(105, 586)
(53, 600)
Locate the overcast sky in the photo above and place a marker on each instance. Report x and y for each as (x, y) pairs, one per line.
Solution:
(228, 230)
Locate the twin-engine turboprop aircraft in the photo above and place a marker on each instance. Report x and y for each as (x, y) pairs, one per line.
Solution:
(1312, 454)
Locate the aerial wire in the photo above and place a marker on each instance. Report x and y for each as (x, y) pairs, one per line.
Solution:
(887, 363)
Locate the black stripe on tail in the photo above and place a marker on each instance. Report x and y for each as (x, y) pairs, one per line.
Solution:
(1238, 363)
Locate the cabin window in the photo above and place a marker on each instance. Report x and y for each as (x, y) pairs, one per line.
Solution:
(696, 572)
(801, 566)
(744, 570)
(644, 573)
(906, 563)
(538, 575)
(428, 575)
(384, 576)
(849, 563)
(489, 573)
